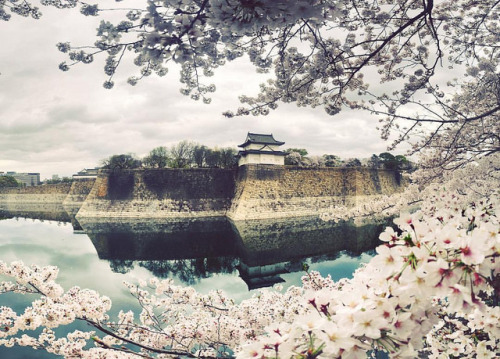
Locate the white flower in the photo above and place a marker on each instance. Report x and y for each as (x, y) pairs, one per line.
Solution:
(482, 351)
(404, 221)
(369, 323)
(389, 260)
(473, 250)
(389, 235)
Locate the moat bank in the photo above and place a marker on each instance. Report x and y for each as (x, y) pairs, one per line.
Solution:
(248, 192)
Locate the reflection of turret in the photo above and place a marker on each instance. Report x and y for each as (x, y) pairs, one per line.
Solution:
(262, 276)
(274, 247)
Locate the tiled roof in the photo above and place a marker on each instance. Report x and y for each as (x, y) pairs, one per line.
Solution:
(261, 139)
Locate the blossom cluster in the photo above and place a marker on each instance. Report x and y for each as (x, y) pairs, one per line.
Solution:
(436, 278)
(383, 56)
(54, 308)
(174, 320)
(433, 287)
(474, 180)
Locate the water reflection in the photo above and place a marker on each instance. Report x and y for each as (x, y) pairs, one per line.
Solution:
(269, 248)
(139, 239)
(269, 241)
(193, 249)
(207, 253)
(191, 271)
(261, 251)
(47, 212)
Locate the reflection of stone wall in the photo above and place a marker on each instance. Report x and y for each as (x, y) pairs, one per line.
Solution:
(256, 242)
(54, 202)
(195, 247)
(277, 191)
(42, 211)
(278, 240)
(161, 239)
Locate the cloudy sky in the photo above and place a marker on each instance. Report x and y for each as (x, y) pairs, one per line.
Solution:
(56, 122)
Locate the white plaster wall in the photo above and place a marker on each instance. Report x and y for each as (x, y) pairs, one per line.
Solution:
(258, 146)
(268, 159)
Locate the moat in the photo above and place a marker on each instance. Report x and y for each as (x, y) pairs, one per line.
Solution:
(206, 253)
(234, 230)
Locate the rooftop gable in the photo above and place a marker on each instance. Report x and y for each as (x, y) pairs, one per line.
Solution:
(260, 139)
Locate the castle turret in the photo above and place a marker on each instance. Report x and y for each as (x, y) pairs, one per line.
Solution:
(261, 149)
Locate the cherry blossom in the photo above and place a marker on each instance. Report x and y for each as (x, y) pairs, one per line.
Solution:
(433, 287)
(383, 56)
(418, 294)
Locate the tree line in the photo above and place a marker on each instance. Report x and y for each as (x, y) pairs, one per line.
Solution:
(185, 154)
(9, 181)
(386, 160)
(57, 180)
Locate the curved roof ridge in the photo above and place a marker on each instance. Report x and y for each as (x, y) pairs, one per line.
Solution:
(265, 139)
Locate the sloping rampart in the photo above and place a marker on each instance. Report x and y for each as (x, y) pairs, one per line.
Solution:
(283, 191)
(160, 193)
(78, 194)
(47, 194)
(248, 192)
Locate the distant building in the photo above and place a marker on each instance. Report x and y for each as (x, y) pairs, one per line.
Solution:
(261, 149)
(26, 179)
(86, 173)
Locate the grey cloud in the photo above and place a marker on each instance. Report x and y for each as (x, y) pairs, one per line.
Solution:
(57, 123)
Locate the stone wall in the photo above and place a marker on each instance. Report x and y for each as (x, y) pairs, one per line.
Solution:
(248, 192)
(77, 194)
(35, 202)
(264, 191)
(161, 193)
(45, 194)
